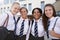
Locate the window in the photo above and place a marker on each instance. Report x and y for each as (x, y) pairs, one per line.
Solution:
(24, 5)
(21, 0)
(6, 1)
(11, 1)
(1, 8)
(29, 6)
(57, 0)
(8, 8)
(4, 8)
(58, 13)
(42, 5)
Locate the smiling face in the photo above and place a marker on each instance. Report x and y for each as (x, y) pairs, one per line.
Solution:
(15, 8)
(36, 14)
(49, 11)
(23, 12)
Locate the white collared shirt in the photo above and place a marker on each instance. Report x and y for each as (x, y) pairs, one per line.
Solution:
(57, 26)
(40, 28)
(11, 24)
(26, 26)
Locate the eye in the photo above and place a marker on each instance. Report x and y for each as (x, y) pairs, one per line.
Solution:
(15, 8)
(45, 10)
(49, 9)
(38, 12)
(24, 11)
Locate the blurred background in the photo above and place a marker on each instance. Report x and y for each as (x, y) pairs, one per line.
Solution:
(5, 5)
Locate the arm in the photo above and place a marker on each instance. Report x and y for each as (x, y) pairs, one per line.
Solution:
(2, 18)
(52, 33)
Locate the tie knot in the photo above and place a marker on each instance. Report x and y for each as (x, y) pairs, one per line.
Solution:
(35, 22)
(14, 17)
(48, 21)
(23, 20)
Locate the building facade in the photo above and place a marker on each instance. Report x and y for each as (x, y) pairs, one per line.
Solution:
(57, 7)
(29, 4)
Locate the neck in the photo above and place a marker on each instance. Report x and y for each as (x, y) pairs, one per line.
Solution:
(50, 17)
(12, 13)
(24, 17)
(36, 20)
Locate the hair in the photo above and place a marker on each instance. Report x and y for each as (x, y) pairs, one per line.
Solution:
(24, 8)
(15, 3)
(40, 11)
(45, 18)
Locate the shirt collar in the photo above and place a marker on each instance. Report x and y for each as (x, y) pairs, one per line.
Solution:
(23, 19)
(51, 18)
(38, 19)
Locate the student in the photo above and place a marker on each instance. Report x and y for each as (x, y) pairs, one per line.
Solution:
(23, 25)
(51, 22)
(37, 29)
(11, 22)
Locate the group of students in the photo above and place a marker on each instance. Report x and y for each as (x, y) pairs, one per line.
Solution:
(22, 28)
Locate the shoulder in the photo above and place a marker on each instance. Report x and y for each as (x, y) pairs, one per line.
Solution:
(3, 15)
(58, 19)
(41, 19)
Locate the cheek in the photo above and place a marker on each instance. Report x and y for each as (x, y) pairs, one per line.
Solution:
(51, 12)
(14, 10)
(34, 14)
(23, 13)
(46, 14)
(38, 14)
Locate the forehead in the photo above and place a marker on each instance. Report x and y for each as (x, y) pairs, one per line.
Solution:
(23, 9)
(36, 10)
(16, 5)
(48, 7)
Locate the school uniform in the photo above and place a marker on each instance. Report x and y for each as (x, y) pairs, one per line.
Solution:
(56, 28)
(22, 29)
(37, 26)
(10, 26)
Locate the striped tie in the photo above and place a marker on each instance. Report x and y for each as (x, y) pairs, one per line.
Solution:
(22, 28)
(36, 30)
(15, 24)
